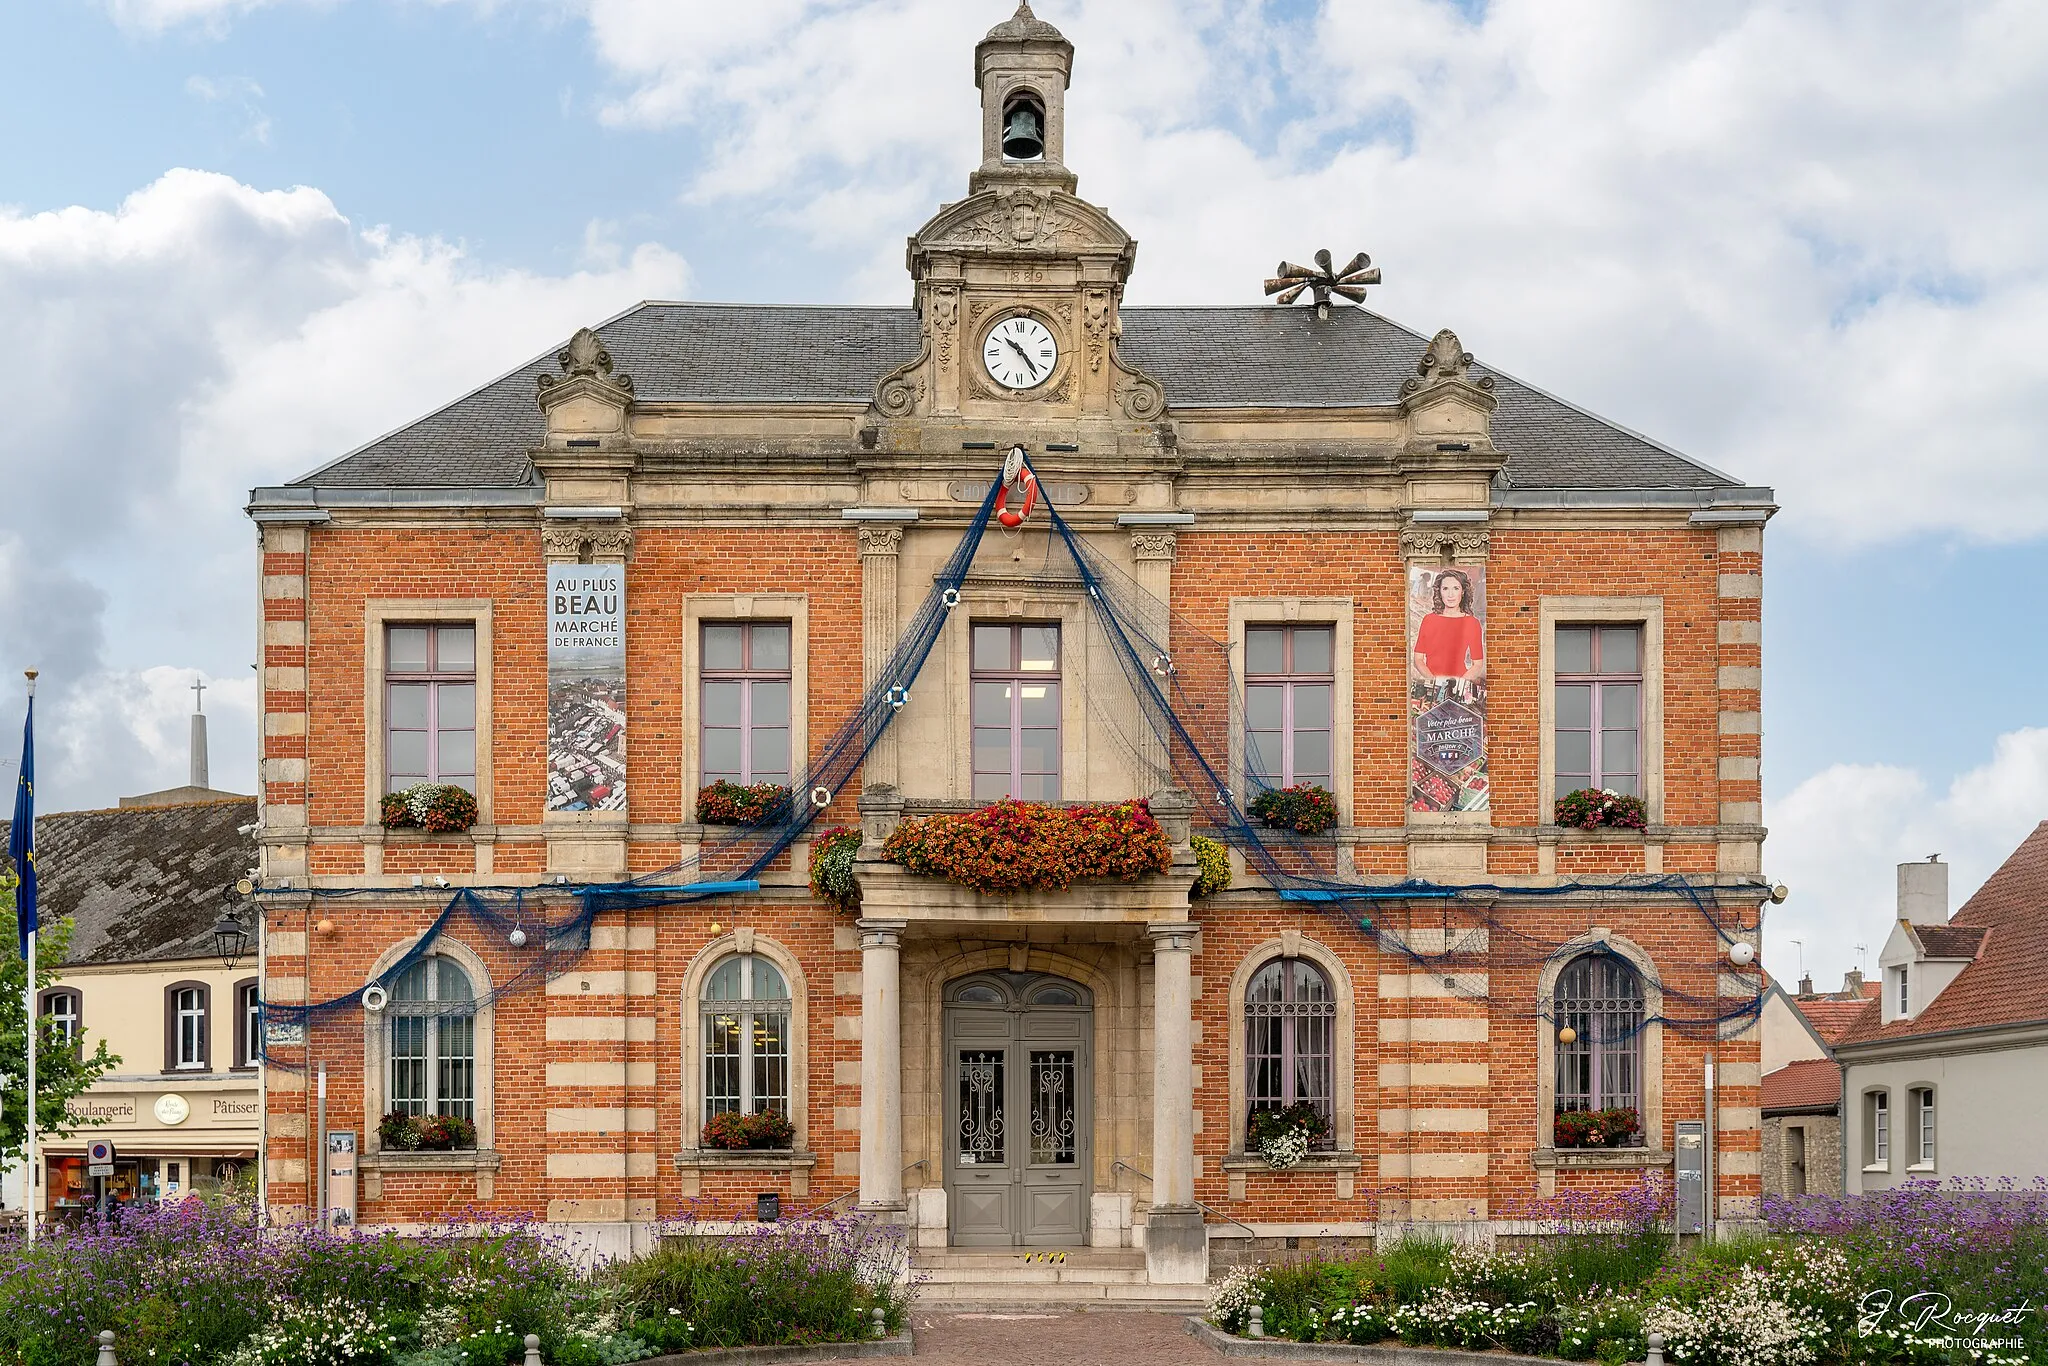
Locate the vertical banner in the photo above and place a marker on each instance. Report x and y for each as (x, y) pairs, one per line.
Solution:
(341, 1179)
(586, 687)
(1447, 687)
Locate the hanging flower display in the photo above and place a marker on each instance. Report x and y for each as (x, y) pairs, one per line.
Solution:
(1598, 808)
(729, 803)
(1284, 1137)
(1304, 808)
(832, 855)
(1212, 860)
(438, 808)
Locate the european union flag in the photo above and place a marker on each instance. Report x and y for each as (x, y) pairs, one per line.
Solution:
(21, 837)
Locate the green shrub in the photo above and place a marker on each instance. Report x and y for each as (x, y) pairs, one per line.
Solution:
(787, 1284)
(1212, 863)
(832, 856)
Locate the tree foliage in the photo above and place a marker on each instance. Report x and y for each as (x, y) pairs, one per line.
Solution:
(63, 1070)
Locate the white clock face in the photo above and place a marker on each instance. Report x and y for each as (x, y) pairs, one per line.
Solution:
(1020, 353)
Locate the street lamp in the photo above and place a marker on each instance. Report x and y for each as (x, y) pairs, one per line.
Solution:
(230, 935)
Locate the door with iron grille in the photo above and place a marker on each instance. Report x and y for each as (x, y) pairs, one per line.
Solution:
(1017, 1100)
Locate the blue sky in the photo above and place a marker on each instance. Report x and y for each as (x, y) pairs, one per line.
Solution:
(238, 237)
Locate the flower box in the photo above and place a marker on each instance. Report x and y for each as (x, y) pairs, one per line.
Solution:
(1284, 1137)
(729, 803)
(764, 1130)
(1013, 846)
(1620, 1127)
(1305, 808)
(406, 1133)
(1591, 808)
(437, 808)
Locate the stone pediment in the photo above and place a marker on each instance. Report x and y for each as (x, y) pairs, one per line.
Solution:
(1022, 220)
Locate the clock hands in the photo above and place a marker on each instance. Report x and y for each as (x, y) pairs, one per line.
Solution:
(1022, 355)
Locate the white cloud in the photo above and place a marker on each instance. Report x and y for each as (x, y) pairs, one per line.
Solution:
(243, 94)
(1837, 838)
(1760, 231)
(165, 356)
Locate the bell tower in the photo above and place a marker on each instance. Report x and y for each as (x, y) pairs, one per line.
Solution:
(1019, 283)
(1022, 68)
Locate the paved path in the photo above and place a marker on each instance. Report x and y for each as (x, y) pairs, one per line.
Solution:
(1098, 1337)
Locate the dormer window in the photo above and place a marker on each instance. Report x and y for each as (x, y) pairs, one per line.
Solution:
(1905, 993)
(1023, 128)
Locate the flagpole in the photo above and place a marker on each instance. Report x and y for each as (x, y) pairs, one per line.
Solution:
(31, 1169)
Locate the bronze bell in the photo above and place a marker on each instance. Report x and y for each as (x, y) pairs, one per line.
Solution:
(1023, 132)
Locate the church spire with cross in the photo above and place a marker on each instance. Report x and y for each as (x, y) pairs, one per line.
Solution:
(199, 733)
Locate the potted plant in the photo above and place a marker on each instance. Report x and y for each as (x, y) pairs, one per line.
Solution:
(1304, 808)
(1011, 846)
(1614, 1127)
(832, 855)
(1599, 808)
(402, 1132)
(1284, 1137)
(764, 1130)
(437, 808)
(729, 803)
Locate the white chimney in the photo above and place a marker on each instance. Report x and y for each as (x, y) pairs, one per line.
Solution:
(1923, 892)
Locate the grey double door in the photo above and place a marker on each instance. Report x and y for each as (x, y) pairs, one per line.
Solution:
(1017, 1096)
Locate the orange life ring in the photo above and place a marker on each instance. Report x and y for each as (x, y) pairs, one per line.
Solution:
(1028, 482)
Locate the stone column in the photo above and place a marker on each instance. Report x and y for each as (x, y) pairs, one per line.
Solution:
(1152, 567)
(879, 547)
(1176, 1244)
(881, 1065)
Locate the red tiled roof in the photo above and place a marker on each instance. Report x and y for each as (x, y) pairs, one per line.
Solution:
(1810, 1084)
(1950, 941)
(1830, 1016)
(2007, 982)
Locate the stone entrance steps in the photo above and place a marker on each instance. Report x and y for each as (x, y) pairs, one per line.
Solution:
(1101, 1278)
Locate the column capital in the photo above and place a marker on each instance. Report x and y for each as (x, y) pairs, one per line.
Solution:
(1153, 545)
(881, 540)
(881, 934)
(1173, 936)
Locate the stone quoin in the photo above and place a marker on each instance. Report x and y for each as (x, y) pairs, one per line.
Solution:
(1388, 545)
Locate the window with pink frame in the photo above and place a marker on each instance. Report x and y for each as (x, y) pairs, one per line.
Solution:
(1016, 711)
(430, 705)
(1290, 1021)
(1599, 682)
(746, 679)
(1289, 686)
(1600, 999)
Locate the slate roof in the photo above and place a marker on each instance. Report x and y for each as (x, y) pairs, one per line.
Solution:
(1803, 1087)
(141, 883)
(2007, 982)
(1948, 941)
(1204, 358)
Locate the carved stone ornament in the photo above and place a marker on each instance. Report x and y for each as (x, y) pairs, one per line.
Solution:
(900, 391)
(880, 540)
(1153, 545)
(1095, 322)
(1446, 361)
(1022, 219)
(1138, 396)
(945, 318)
(585, 357)
(585, 541)
(1452, 541)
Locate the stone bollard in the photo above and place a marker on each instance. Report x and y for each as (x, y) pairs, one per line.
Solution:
(1656, 1356)
(881, 1323)
(106, 1356)
(1256, 1326)
(532, 1350)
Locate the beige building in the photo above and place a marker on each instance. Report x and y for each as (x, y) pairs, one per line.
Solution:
(143, 886)
(1942, 1074)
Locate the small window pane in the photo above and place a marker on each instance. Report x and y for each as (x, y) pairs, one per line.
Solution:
(981, 993)
(1574, 650)
(771, 704)
(1574, 752)
(1041, 647)
(455, 649)
(722, 703)
(771, 756)
(1625, 783)
(1618, 706)
(1262, 754)
(1262, 650)
(1312, 706)
(724, 647)
(991, 647)
(1039, 704)
(1268, 983)
(408, 652)
(1575, 705)
(1055, 996)
(457, 706)
(1618, 652)
(721, 753)
(1039, 787)
(989, 787)
(409, 706)
(412, 983)
(458, 754)
(724, 984)
(1617, 752)
(408, 754)
(771, 647)
(991, 753)
(454, 982)
(1312, 650)
(1263, 706)
(1039, 751)
(992, 704)
(1311, 755)
(768, 982)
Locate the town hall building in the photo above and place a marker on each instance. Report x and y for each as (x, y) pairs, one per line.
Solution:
(1328, 592)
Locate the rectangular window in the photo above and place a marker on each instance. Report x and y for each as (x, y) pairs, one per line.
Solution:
(1905, 993)
(1289, 684)
(1599, 681)
(1923, 1117)
(1879, 1147)
(746, 680)
(190, 1015)
(60, 1010)
(1016, 711)
(430, 705)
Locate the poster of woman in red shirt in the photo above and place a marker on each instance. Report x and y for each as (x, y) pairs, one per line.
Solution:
(1447, 688)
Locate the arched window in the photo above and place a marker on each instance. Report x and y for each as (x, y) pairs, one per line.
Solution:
(1599, 1000)
(746, 1005)
(432, 1016)
(1290, 1016)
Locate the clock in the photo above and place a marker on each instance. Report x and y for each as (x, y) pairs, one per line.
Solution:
(1020, 352)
